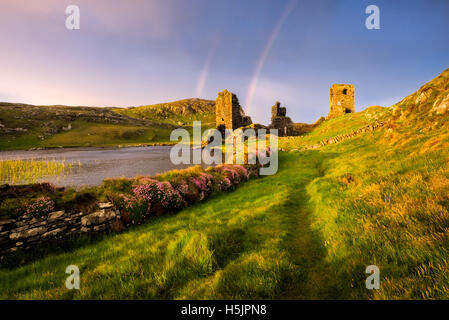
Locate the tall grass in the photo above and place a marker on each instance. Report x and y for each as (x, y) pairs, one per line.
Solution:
(31, 171)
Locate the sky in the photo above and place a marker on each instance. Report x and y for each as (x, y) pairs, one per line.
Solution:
(136, 52)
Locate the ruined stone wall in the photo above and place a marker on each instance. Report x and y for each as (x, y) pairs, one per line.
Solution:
(278, 111)
(223, 109)
(280, 121)
(341, 98)
(228, 112)
(342, 137)
(284, 125)
(27, 232)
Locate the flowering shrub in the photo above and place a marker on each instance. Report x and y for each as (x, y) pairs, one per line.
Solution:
(234, 174)
(149, 195)
(204, 182)
(183, 188)
(156, 192)
(187, 189)
(244, 175)
(40, 207)
(226, 184)
(172, 198)
(221, 182)
(136, 208)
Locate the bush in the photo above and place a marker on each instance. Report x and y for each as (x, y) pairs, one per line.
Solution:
(156, 192)
(135, 209)
(234, 174)
(186, 189)
(202, 184)
(40, 207)
(173, 190)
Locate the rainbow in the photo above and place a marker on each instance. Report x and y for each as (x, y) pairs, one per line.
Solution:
(205, 71)
(252, 87)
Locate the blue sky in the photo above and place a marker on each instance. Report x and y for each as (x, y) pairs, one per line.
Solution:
(139, 52)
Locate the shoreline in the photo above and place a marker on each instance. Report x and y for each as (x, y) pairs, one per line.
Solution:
(156, 144)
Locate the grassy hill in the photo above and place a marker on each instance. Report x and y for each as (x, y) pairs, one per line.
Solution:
(379, 198)
(180, 113)
(28, 126)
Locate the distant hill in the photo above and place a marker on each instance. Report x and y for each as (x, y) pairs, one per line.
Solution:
(24, 126)
(180, 113)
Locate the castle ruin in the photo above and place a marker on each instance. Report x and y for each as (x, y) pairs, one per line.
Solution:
(341, 97)
(230, 115)
(228, 112)
(280, 121)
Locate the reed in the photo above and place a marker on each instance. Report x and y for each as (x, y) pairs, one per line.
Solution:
(31, 171)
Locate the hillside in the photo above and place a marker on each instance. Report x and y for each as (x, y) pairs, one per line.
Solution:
(308, 232)
(180, 113)
(25, 126)
(431, 100)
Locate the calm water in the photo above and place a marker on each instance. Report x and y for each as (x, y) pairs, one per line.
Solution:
(100, 163)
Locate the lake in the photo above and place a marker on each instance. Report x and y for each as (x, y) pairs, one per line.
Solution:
(100, 163)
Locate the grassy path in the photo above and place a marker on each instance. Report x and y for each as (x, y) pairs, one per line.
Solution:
(304, 245)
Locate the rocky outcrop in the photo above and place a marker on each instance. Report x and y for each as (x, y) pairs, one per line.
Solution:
(431, 98)
(441, 105)
(27, 232)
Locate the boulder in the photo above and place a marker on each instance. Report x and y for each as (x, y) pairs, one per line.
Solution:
(98, 217)
(441, 106)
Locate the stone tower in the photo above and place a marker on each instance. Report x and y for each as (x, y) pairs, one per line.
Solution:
(228, 112)
(277, 110)
(280, 121)
(341, 99)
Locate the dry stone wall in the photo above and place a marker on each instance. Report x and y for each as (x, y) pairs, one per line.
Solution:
(342, 137)
(346, 136)
(27, 232)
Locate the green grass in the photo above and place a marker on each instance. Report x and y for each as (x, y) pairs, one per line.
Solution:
(182, 112)
(87, 134)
